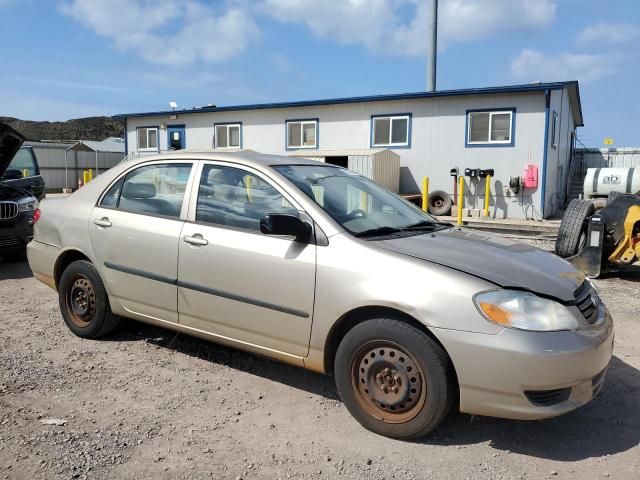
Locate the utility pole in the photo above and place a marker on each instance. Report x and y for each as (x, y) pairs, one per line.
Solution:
(433, 48)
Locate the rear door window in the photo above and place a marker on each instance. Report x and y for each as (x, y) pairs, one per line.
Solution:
(151, 189)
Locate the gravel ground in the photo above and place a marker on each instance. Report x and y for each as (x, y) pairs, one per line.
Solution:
(146, 403)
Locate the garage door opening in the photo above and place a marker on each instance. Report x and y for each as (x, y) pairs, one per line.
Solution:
(339, 161)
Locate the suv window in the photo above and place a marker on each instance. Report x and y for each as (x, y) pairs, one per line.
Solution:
(152, 189)
(236, 198)
(24, 163)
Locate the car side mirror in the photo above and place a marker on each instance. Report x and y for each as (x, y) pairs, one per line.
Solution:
(285, 224)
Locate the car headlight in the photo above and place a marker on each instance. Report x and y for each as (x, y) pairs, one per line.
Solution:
(28, 204)
(524, 311)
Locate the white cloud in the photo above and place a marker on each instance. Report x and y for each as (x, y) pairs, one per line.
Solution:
(533, 65)
(609, 33)
(168, 32)
(400, 26)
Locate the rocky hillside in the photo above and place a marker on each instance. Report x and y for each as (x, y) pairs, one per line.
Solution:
(91, 128)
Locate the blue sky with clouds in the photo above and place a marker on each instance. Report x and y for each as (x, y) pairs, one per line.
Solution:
(73, 58)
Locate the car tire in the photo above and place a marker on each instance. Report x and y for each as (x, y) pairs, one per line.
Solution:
(573, 227)
(394, 379)
(84, 302)
(439, 203)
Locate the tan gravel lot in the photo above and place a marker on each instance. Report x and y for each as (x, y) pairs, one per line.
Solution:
(147, 403)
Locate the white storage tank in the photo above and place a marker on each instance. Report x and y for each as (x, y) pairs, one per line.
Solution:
(378, 164)
(599, 182)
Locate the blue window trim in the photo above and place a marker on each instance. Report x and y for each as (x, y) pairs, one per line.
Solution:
(228, 123)
(157, 138)
(512, 143)
(391, 115)
(184, 128)
(286, 133)
(554, 129)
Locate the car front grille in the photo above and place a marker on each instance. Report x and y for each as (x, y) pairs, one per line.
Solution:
(547, 398)
(10, 242)
(586, 301)
(8, 210)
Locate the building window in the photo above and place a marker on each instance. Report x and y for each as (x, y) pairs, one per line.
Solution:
(228, 135)
(554, 130)
(302, 134)
(490, 128)
(391, 130)
(148, 139)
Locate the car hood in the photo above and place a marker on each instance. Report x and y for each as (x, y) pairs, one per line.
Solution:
(10, 142)
(500, 260)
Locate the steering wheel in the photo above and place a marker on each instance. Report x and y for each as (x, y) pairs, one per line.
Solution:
(357, 213)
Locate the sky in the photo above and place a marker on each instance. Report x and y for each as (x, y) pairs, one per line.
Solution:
(75, 58)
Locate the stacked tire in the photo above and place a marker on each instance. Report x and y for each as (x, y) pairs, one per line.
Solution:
(573, 229)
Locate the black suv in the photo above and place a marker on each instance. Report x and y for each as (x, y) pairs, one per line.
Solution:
(21, 187)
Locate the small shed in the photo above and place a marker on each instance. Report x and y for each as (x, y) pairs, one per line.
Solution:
(89, 154)
(378, 164)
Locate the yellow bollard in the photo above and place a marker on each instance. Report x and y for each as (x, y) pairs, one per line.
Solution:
(425, 194)
(460, 200)
(248, 181)
(85, 177)
(25, 172)
(90, 174)
(364, 201)
(487, 193)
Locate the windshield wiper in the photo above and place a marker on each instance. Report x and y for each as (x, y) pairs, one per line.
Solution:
(427, 225)
(372, 232)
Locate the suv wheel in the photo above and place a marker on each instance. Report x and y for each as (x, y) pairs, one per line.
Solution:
(394, 379)
(83, 301)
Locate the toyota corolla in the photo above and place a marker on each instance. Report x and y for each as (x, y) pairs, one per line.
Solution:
(316, 266)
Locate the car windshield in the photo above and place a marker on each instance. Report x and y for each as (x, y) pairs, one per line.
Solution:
(359, 205)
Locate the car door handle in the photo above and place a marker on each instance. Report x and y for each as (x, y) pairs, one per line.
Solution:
(196, 239)
(102, 222)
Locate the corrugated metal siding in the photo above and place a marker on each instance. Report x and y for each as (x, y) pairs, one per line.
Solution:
(51, 159)
(386, 170)
(437, 140)
(608, 157)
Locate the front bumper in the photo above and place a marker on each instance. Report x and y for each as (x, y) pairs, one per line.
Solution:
(16, 232)
(495, 371)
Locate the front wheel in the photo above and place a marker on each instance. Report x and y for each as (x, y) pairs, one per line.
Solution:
(83, 301)
(394, 379)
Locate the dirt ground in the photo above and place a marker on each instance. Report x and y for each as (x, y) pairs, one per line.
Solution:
(146, 403)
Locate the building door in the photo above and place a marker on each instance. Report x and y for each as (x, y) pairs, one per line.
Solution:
(175, 137)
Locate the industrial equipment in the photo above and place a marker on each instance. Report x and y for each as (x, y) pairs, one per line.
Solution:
(604, 241)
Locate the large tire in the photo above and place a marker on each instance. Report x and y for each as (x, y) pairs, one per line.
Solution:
(84, 302)
(439, 203)
(573, 227)
(394, 379)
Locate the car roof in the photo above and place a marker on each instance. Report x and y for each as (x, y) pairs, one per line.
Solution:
(246, 157)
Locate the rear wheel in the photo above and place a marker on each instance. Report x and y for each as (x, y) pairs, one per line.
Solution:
(439, 203)
(83, 301)
(573, 228)
(394, 379)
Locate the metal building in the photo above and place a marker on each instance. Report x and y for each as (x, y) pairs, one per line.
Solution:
(501, 128)
(62, 164)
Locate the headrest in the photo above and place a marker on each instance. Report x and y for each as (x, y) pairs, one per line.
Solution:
(138, 190)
